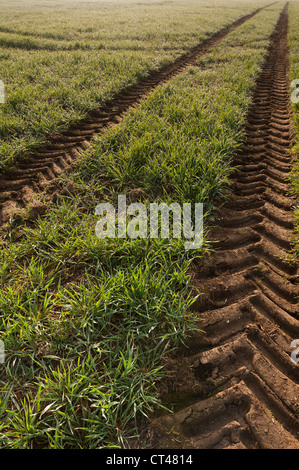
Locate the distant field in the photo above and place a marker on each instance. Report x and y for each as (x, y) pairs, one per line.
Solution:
(60, 59)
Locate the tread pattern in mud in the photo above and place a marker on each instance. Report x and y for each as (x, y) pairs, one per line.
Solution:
(236, 380)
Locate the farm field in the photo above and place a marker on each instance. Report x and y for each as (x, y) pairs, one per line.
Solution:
(54, 75)
(101, 334)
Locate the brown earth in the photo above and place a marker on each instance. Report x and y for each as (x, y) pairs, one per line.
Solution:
(32, 173)
(234, 385)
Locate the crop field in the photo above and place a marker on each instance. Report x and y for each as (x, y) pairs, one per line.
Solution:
(135, 341)
(84, 56)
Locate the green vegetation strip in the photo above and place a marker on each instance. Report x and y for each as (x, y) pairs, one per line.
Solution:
(294, 72)
(87, 52)
(86, 322)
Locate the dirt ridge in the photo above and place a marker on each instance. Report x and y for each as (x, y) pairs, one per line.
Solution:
(234, 385)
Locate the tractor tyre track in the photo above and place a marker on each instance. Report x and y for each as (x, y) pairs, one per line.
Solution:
(235, 385)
